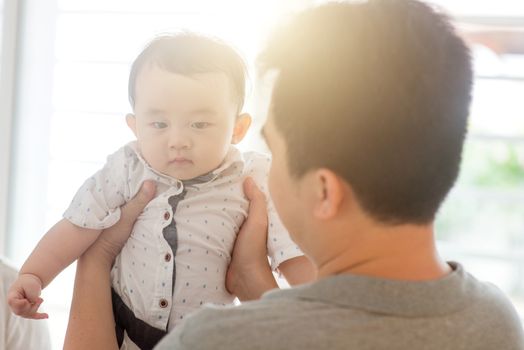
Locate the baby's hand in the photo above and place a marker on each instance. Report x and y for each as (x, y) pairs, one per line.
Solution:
(24, 297)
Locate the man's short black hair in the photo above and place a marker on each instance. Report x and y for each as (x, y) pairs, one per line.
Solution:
(378, 92)
(189, 53)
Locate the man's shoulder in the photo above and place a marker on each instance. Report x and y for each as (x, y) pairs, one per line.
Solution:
(485, 311)
(250, 325)
(490, 300)
(335, 313)
(223, 318)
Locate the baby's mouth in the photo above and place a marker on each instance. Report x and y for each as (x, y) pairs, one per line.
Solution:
(181, 161)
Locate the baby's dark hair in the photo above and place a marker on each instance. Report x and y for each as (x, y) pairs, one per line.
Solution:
(187, 54)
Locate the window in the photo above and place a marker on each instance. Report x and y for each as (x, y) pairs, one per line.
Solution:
(481, 223)
(8, 23)
(4, 152)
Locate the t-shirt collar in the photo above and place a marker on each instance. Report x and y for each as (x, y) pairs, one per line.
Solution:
(403, 298)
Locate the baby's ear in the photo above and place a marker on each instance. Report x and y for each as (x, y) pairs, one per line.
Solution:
(131, 122)
(241, 127)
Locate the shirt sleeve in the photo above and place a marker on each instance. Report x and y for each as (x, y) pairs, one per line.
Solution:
(280, 246)
(96, 204)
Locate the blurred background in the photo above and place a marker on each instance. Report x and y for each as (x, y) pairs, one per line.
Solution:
(64, 67)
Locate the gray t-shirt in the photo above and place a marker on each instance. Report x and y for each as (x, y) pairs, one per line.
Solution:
(358, 312)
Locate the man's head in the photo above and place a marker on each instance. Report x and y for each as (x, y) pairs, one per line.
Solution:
(187, 92)
(375, 93)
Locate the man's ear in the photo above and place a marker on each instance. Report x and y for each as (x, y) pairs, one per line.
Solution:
(131, 122)
(329, 194)
(241, 127)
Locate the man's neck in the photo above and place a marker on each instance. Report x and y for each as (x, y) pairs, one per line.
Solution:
(404, 252)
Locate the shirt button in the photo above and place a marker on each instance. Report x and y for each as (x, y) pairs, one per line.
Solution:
(167, 257)
(167, 215)
(163, 303)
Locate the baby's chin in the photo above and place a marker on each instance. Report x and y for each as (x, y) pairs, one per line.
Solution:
(189, 174)
(190, 170)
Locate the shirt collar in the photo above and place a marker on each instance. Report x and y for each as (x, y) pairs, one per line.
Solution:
(402, 298)
(159, 177)
(233, 160)
(233, 157)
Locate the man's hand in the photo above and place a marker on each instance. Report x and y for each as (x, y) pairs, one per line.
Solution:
(112, 239)
(24, 297)
(249, 274)
(91, 323)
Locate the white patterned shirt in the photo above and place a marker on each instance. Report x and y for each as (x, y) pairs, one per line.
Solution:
(207, 218)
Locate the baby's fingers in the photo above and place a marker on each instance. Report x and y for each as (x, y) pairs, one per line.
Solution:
(34, 310)
(40, 316)
(18, 305)
(26, 309)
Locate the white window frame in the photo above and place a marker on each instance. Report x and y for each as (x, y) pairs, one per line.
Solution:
(31, 107)
(10, 25)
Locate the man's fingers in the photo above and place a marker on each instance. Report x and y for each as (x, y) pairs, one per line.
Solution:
(132, 209)
(252, 191)
(113, 238)
(257, 214)
(249, 257)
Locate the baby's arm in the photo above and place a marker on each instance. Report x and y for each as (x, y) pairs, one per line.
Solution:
(249, 274)
(284, 253)
(59, 247)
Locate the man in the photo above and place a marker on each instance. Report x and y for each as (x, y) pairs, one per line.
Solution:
(366, 127)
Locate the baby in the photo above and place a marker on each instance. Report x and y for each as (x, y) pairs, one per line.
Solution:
(187, 93)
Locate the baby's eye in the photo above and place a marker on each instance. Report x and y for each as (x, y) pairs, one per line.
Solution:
(200, 125)
(159, 125)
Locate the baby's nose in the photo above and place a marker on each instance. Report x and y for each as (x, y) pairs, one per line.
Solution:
(179, 140)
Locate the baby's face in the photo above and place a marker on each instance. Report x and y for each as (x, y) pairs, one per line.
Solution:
(184, 125)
